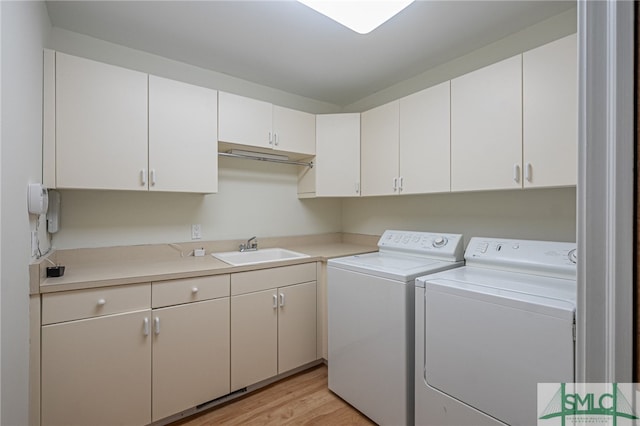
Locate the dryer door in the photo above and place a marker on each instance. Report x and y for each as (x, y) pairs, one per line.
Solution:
(489, 348)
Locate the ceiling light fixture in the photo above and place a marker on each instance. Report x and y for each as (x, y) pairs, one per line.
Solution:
(361, 16)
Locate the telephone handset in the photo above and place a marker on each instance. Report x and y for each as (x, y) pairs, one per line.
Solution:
(38, 199)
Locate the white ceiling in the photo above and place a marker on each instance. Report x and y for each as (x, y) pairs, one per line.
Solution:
(285, 45)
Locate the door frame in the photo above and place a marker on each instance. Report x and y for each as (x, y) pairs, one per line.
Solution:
(605, 191)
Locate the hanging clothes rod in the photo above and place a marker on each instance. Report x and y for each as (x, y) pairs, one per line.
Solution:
(266, 157)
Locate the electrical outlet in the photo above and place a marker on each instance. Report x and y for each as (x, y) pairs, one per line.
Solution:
(196, 231)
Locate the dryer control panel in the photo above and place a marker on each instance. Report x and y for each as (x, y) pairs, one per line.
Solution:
(418, 243)
(546, 258)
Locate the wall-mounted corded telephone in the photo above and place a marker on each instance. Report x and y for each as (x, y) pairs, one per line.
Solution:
(38, 198)
(42, 201)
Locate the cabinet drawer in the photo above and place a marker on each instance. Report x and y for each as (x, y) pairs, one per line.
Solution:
(79, 304)
(175, 292)
(264, 279)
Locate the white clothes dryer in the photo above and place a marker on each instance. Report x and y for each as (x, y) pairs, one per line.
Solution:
(487, 333)
(371, 320)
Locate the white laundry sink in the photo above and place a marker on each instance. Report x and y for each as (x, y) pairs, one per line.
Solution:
(240, 258)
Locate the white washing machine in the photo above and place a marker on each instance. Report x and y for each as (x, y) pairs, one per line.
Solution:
(371, 322)
(488, 332)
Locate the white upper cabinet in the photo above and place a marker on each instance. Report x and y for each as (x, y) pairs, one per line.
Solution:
(486, 127)
(124, 130)
(425, 141)
(101, 125)
(406, 144)
(336, 170)
(294, 131)
(550, 114)
(250, 122)
(183, 148)
(379, 150)
(244, 121)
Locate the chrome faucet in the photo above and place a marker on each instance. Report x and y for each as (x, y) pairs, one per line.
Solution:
(250, 245)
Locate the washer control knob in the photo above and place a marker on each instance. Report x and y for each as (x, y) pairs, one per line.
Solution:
(439, 242)
(573, 256)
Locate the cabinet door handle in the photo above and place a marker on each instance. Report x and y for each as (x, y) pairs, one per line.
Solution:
(156, 325)
(275, 139)
(145, 324)
(395, 184)
(357, 187)
(143, 177)
(275, 301)
(516, 173)
(270, 139)
(281, 299)
(527, 172)
(102, 302)
(153, 176)
(401, 184)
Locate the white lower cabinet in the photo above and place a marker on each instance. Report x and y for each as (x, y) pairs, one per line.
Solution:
(136, 354)
(97, 371)
(273, 328)
(102, 365)
(254, 341)
(190, 355)
(296, 326)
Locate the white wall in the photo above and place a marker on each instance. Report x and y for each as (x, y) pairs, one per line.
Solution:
(25, 29)
(546, 214)
(254, 198)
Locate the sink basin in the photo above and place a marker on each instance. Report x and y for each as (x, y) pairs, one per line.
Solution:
(237, 258)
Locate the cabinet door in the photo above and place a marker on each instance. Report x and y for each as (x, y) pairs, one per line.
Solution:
(425, 141)
(101, 125)
(486, 127)
(294, 131)
(379, 150)
(183, 129)
(337, 155)
(190, 355)
(550, 114)
(254, 338)
(244, 121)
(296, 326)
(97, 371)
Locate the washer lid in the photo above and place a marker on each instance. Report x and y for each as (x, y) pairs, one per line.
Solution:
(395, 267)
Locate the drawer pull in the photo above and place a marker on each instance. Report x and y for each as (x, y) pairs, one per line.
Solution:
(194, 290)
(101, 302)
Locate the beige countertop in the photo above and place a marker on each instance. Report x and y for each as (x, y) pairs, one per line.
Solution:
(146, 265)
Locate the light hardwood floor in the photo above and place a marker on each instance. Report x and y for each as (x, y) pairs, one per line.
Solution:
(302, 399)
